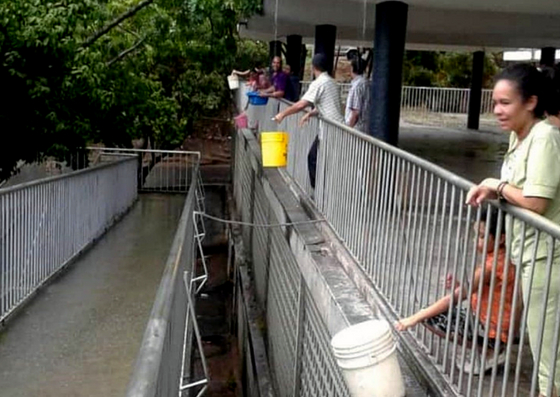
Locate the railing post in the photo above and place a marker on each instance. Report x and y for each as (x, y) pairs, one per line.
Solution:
(299, 337)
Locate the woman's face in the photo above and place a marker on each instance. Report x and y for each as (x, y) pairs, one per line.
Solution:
(513, 113)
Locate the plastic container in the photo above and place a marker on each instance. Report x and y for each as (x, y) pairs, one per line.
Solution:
(274, 149)
(257, 100)
(366, 353)
(241, 120)
(233, 82)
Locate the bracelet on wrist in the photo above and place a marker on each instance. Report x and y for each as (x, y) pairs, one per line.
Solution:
(500, 190)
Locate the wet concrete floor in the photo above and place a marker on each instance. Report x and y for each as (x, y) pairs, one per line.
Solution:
(81, 334)
(474, 155)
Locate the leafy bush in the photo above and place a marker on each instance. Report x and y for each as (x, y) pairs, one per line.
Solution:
(74, 72)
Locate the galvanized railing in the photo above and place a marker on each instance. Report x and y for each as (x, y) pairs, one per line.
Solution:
(164, 366)
(438, 106)
(298, 340)
(405, 221)
(168, 171)
(47, 223)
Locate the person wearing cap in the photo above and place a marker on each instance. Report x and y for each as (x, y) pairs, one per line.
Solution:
(324, 95)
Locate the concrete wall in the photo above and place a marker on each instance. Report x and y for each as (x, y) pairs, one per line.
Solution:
(300, 291)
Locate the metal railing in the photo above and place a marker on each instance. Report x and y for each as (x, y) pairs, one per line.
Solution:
(438, 106)
(47, 223)
(405, 221)
(164, 363)
(168, 171)
(298, 340)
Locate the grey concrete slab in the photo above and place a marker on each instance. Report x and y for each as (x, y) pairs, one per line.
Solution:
(474, 155)
(81, 334)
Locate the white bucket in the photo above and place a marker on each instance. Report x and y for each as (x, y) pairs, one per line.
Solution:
(233, 82)
(366, 354)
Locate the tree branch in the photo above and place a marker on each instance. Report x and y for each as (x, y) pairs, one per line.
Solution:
(115, 22)
(130, 32)
(125, 53)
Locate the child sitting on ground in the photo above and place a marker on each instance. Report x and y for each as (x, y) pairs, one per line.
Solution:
(436, 319)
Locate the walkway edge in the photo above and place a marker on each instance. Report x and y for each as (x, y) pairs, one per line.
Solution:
(65, 267)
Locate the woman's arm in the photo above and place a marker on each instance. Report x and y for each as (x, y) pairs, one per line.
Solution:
(515, 196)
(488, 190)
(241, 74)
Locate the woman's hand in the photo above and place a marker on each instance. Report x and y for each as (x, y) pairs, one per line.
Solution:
(485, 191)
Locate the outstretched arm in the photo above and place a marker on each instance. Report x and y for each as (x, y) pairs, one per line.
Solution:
(296, 107)
(442, 305)
(241, 74)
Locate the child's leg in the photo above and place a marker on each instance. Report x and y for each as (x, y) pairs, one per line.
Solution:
(442, 322)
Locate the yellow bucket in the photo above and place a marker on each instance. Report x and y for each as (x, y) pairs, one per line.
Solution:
(274, 148)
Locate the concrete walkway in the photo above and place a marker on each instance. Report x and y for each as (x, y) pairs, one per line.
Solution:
(474, 155)
(81, 335)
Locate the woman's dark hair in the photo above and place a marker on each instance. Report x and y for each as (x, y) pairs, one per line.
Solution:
(530, 82)
(357, 65)
(492, 213)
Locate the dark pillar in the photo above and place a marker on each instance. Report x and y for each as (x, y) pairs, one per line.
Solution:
(275, 49)
(548, 56)
(302, 59)
(325, 40)
(293, 53)
(475, 96)
(390, 36)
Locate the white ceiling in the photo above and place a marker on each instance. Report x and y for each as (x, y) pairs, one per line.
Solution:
(432, 24)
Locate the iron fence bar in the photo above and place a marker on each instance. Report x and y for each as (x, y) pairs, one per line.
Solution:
(405, 208)
(40, 235)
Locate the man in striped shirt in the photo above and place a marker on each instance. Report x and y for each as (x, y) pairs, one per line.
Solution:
(358, 97)
(324, 95)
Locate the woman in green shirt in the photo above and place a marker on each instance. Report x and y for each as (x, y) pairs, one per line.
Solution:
(530, 179)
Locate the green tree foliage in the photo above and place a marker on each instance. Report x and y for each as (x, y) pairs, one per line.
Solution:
(445, 69)
(74, 72)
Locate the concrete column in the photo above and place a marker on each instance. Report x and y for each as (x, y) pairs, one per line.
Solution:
(325, 40)
(548, 56)
(390, 35)
(274, 49)
(293, 53)
(302, 58)
(475, 97)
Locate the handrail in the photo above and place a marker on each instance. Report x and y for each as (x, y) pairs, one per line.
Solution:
(49, 179)
(405, 222)
(413, 87)
(531, 218)
(147, 368)
(197, 154)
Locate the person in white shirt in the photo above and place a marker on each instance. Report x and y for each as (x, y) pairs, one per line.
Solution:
(324, 95)
(358, 98)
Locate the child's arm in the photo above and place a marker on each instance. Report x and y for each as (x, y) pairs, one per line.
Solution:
(442, 305)
(244, 73)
